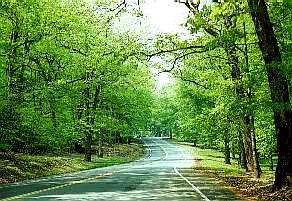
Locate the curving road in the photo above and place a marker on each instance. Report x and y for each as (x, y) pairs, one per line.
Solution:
(164, 174)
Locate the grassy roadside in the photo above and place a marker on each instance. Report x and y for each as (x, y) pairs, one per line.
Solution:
(211, 163)
(19, 167)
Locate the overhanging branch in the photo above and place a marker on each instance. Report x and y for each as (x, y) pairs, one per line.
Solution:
(176, 49)
(178, 58)
(73, 49)
(189, 80)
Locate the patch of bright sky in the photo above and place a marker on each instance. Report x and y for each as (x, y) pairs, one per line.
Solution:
(159, 16)
(165, 16)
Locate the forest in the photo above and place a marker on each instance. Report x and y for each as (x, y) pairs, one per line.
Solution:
(69, 76)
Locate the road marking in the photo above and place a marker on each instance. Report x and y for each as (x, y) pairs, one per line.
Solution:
(149, 153)
(87, 179)
(73, 182)
(192, 185)
(57, 187)
(177, 172)
(153, 161)
(164, 150)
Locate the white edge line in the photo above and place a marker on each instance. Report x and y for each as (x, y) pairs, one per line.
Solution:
(164, 150)
(150, 153)
(192, 185)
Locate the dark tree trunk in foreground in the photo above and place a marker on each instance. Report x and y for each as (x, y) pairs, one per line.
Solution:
(279, 90)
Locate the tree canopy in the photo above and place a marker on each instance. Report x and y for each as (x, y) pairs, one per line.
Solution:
(68, 76)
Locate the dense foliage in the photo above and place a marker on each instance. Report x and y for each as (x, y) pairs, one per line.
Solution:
(228, 94)
(66, 76)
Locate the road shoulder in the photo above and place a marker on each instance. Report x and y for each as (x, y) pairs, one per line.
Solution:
(211, 164)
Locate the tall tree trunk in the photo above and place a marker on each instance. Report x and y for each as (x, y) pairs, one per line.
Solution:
(271, 162)
(88, 143)
(242, 156)
(100, 144)
(227, 147)
(279, 90)
(247, 144)
(257, 168)
(88, 134)
(233, 61)
(244, 118)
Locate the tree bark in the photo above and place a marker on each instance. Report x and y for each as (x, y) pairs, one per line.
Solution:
(88, 128)
(226, 147)
(278, 88)
(247, 144)
(88, 143)
(235, 71)
(257, 168)
(100, 144)
(244, 118)
(271, 162)
(242, 156)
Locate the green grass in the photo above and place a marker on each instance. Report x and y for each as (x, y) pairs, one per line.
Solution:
(18, 167)
(213, 161)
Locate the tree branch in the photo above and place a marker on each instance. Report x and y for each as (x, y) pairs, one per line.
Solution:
(178, 58)
(73, 49)
(123, 3)
(188, 80)
(176, 49)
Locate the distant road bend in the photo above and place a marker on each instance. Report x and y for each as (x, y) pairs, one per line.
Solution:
(164, 174)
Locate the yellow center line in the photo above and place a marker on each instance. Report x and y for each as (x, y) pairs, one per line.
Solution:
(58, 186)
(74, 182)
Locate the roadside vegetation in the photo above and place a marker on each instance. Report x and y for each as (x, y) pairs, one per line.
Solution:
(211, 163)
(72, 78)
(232, 89)
(18, 167)
(67, 79)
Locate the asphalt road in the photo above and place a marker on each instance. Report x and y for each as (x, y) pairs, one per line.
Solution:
(164, 174)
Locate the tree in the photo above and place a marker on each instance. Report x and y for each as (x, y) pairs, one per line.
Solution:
(68, 77)
(279, 89)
